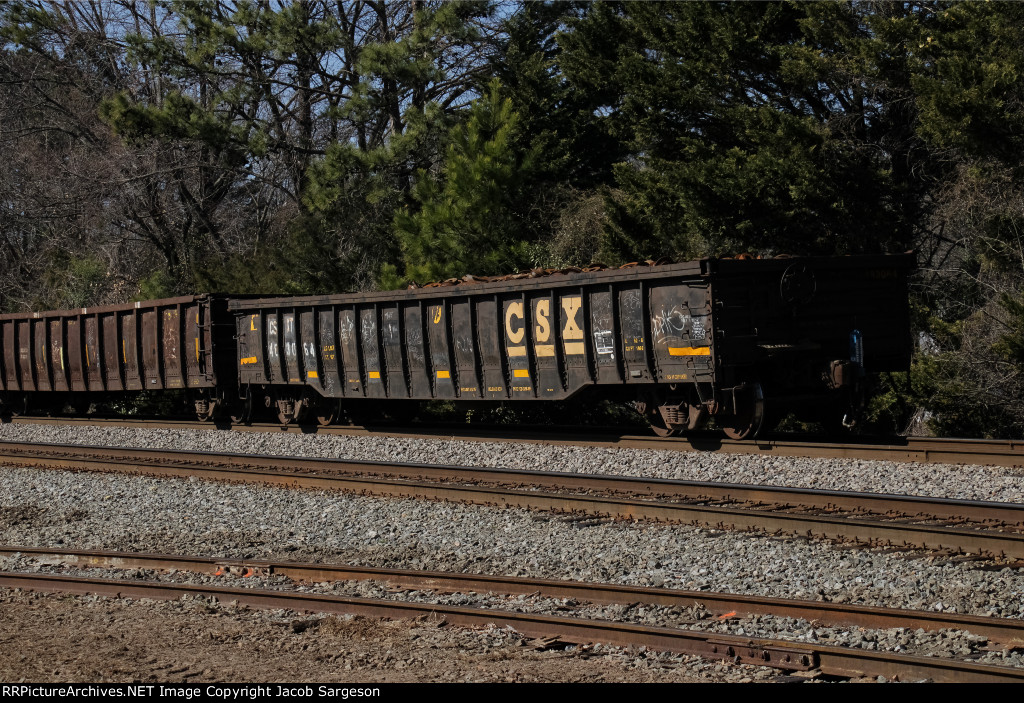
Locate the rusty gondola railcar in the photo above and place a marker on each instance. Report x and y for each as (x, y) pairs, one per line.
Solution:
(729, 339)
(76, 357)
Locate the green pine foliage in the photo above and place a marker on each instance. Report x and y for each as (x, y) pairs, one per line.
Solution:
(744, 123)
(465, 221)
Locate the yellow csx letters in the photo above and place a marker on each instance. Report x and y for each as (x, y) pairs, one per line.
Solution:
(571, 333)
(515, 335)
(514, 309)
(515, 329)
(542, 328)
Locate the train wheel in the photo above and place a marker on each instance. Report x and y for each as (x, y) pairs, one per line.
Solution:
(241, 410)
(328, 411)
(16, 405)
(747, 421)
(662, 431)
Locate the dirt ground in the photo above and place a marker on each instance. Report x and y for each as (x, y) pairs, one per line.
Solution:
(58, 638)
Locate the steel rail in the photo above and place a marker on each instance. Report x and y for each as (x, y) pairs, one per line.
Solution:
(1003, 630)
(924, 507)
(246, 468)
(1006, 453)
(785, 655)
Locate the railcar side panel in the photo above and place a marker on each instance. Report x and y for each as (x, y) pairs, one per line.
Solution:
(464, 341)
(289, 326)
(330, 378)
(41, 349)
(681, 333)
(311, 367)
(517, 347)
(369, 342)
(55, 351)
(274, 353)
(606, 336)
(91, 355)
(191, 347)
(130, 351)
(391, 337)
(416, 350)
(548, 375)
(171, 339)
(440, 350)
(150, 351)
(254, 364)
(8, 357)
(24, 336)
(349, 338)
(112, 352)
(74, 353)
(570, 330)
(493, 362)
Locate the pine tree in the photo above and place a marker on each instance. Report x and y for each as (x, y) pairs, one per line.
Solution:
(465, 221)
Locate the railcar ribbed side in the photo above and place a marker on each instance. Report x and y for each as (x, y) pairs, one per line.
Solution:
(689, 341)
(88, 354)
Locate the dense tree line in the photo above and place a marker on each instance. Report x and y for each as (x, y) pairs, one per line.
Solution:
(309, 146)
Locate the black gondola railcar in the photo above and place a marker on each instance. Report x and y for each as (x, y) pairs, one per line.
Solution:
(77, 357)
(722, 338)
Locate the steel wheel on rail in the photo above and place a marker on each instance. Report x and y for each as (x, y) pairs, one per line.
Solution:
(15, 405)
(241, 409)
(328, 411)
(746, 423)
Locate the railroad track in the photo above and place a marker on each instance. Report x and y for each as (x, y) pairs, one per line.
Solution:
(986, 452)
(783, 654)
(980, 529)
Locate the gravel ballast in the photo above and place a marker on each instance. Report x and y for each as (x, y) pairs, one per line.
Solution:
(943, 643)
(107, 511)
(62, 639)
(938, 480)
(79, 510)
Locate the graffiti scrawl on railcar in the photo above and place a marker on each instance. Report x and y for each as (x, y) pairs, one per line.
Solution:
(391, 330)
(414, 344)
(369, 330)
(347, 328)
(630, 300)
(669, 323)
